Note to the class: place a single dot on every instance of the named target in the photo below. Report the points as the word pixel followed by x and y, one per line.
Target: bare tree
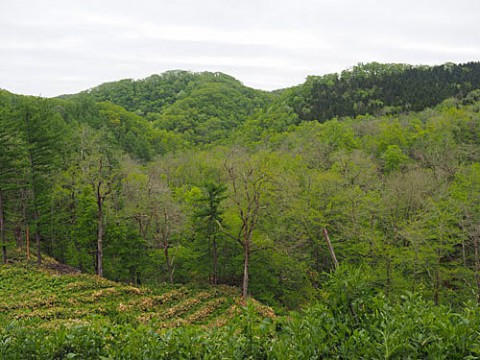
pixel 248 183
pixel 165 218
pixel 102 175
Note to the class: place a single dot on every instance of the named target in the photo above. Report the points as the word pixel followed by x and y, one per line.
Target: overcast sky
pixel 49 48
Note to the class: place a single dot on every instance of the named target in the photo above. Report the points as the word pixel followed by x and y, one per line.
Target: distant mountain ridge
pixel 372 88
pixel 204 106
pixel 156 92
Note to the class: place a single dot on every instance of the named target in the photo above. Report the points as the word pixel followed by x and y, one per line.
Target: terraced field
pixel 50 298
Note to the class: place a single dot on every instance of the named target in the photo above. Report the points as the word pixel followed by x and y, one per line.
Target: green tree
pixel 211 215
pixel 41 129
pixel 12 162
pixel 465 190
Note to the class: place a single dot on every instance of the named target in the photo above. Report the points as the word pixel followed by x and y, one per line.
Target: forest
pixel 349 204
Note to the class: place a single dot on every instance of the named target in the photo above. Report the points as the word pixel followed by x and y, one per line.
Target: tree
pixel 166 217
pixel 11 164
pixel 248 180
pixel 101 170
pixel 211 215
pixel 41 131
pixel 465 191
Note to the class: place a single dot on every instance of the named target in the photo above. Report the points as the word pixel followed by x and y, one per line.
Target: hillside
pixel 205 107
pixel 56 312
pixel 54 299
pixel 157 92
pixel 50 315
pixel 359 222
pixel 181 109
pixel 80 177
pixel 377 89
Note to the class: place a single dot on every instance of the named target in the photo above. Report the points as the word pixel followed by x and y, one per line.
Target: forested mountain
pixel 352 189
pixel 204 107
pixel 157 92
pixel 381 88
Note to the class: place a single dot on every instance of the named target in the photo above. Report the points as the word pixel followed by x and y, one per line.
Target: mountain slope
pixel 204 107
pixel 380 88
pixel 157 92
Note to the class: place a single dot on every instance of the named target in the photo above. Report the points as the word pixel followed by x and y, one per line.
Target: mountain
pixel 205 107
pixel 336 192
pixel 377 89
pixel 157 92
pixel 84 177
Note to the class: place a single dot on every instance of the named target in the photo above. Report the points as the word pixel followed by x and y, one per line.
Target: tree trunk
pixel 18 237
pixel 2 230
pixel 248 187
pixel 388 283
pixel 36 219
pixel 33 174
pixel 73 220
pixel 246 259
pixel 416 271
pixel 215 261
pixel 169 264
pixel 100 231
pixel 166 243
pixel 37 240
pixel 477 266
pixel 436 282
pixel 27 239
pixel 330 248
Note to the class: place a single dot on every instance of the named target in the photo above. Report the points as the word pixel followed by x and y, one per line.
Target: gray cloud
pixel 53 47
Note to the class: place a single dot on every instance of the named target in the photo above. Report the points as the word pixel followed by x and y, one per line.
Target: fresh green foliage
pixel 209 182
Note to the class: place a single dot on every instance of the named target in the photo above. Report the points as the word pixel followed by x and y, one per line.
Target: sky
pixel 54 47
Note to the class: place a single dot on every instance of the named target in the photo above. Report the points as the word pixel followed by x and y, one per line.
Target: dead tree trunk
pixel 330 248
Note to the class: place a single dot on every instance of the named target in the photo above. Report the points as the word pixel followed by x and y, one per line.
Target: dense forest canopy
pixel 382 88
pixel 358 192
pixel 194 178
